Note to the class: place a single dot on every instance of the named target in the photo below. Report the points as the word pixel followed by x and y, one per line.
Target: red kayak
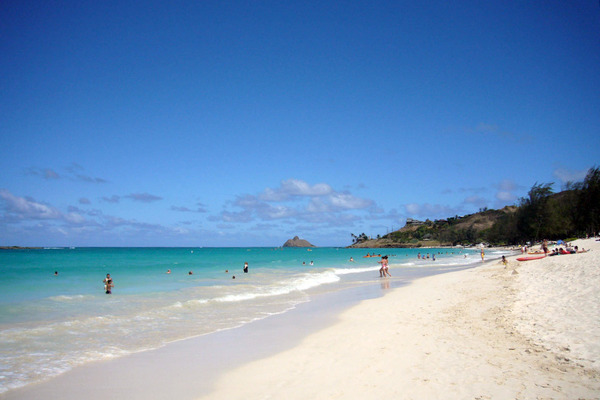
pixel 530 258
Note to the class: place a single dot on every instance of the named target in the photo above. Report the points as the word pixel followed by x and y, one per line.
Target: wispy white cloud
pixel 484 128
pixel 139 197
pixel 568 175
pixel 348 201
pixel 90 179
pixel 46 173
pixel 25 208
pixel 476 201
pixel 73 172
pixel 112 199
pixel 295 188
pixel 200 208
pixel 143 197
pixel 505 197
pixel 506 193
pixel 296 200
pixel 431 211
pixel 35 220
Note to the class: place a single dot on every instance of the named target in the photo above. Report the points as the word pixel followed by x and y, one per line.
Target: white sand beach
pixel 483 333
pixel 527 331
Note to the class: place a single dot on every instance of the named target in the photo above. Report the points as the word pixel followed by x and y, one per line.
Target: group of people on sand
pixel 568 249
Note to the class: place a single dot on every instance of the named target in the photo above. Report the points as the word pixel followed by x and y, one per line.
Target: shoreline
pixel 448 336
pixel 451 335
pixel 105 328
pixel 173 371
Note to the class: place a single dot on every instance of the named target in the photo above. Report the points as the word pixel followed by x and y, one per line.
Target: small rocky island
pixel 297 242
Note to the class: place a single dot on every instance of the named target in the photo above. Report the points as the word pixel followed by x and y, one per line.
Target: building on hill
pixel 413 222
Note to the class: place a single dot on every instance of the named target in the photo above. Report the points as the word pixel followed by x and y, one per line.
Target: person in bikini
pixel 384 267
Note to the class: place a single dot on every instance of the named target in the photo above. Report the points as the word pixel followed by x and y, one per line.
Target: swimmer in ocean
pixel 108 284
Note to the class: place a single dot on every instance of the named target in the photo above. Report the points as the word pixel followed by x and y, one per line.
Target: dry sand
pixel 528 331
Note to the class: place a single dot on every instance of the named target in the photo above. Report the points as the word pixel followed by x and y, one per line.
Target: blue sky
pixel 126 123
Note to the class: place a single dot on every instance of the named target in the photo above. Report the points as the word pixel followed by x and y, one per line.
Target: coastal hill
pixel 541 215
pixel 452 231
pixel 297 242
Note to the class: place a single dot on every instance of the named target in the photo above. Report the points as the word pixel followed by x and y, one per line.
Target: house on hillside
pixel 413 222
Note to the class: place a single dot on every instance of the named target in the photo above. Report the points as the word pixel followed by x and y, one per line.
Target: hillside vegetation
pixel 574 212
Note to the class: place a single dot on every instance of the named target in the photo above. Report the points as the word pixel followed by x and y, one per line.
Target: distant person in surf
pixel 108 284
pixel 245 267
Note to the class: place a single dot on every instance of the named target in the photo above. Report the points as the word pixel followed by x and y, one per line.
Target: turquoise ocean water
pixel 51 323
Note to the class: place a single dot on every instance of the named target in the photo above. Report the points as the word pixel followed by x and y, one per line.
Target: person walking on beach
pixel 108 284
pixel 482 254
pixel 384 267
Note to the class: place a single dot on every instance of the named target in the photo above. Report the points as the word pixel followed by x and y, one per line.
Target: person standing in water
pixel 245 267
pixel 384 267
pixel 108 284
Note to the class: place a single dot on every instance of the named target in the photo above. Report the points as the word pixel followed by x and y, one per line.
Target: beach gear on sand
pixel 530 258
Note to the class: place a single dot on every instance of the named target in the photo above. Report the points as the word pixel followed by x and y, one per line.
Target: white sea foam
pixel 346 271
pixel 295 284
pixel 188 304
pixel 70 298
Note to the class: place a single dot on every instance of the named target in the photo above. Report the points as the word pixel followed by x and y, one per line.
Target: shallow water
pixel 51 323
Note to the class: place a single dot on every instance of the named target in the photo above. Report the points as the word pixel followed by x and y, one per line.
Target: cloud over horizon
pixel 296 199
